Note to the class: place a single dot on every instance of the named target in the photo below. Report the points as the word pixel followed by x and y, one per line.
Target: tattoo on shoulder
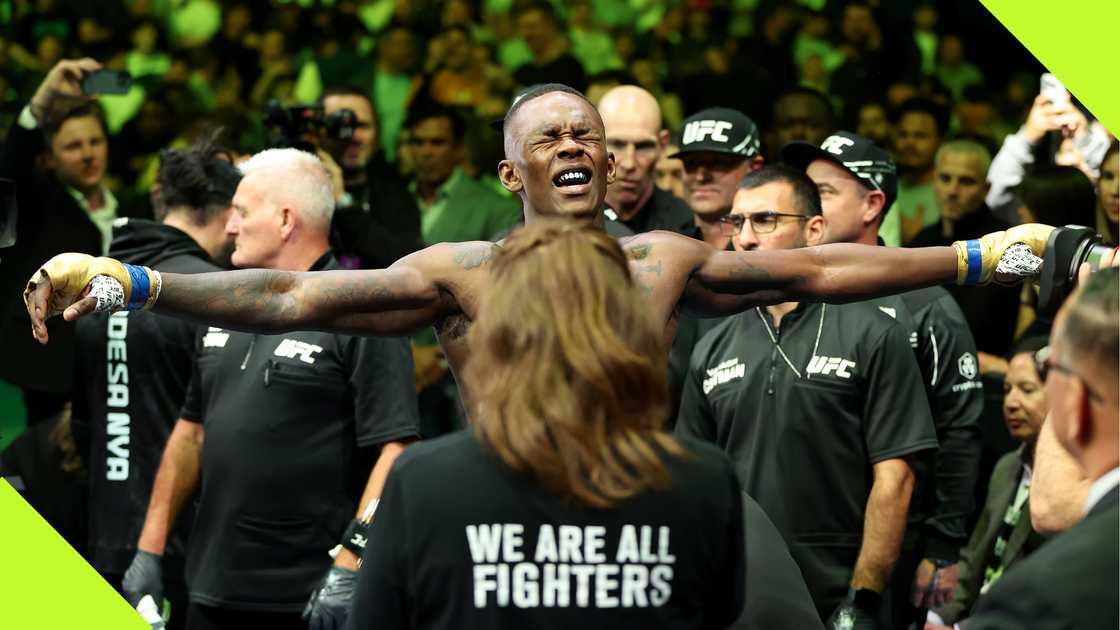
pixel 474 256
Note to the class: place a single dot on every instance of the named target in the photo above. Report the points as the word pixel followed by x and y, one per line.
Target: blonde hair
pixel 568 369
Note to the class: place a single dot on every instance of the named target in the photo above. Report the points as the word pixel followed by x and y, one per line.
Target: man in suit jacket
pixel 1003 533
pixel 1071 582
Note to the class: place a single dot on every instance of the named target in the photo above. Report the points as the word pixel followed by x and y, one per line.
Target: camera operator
pixel 376 220
pixel 129 402
pixel 68 193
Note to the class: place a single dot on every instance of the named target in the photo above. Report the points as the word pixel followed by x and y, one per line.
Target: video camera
pixel 1066 249
pixel 304 126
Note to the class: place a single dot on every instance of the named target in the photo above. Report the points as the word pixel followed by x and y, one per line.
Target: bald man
pixel 636 137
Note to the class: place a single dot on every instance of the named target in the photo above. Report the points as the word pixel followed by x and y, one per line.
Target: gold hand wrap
pixel 69 274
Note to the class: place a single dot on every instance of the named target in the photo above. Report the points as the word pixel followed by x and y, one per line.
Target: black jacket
pixel 1070 582
pixel 381 226
pixel 132 372
pixel 50 222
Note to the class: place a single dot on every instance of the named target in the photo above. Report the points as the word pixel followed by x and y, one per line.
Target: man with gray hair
pixel 960 183
pixel 1070 582
pixel 293 424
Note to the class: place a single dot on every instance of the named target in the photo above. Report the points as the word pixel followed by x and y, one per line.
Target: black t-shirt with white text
pixel 462 541
pixel 284 416
pixel 803 446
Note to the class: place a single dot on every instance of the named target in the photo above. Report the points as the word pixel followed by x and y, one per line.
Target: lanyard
pixel 778 347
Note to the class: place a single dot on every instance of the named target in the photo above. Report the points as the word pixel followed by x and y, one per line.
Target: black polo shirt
pixel 943 497
pixel 463 541
pixel 284 416
pixel 804 447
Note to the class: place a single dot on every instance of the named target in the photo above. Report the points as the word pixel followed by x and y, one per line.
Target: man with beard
pixel 557 162
pixel 800 114
pixel 919 127
pixel 135 367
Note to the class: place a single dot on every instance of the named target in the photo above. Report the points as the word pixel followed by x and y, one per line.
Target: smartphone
pixel 106 82
pixel 8 215
pixel 1053 90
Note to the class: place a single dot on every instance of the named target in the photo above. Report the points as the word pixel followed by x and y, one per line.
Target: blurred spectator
pixel 1003 534
pixel 599 84
pixel 960 188
pixel 1058 195
pixel 454 206
pixel 719 147
pixel 1061 133
pixel 148 56
pixel 394 85
pixel 376 221
pixel 799 114
pixel 976 116
pixel 1108 195
pixel 592 45
pixel 637 139
pixel 861 42
pixel 814 53
pixel 953 70
pixel 874 123
pixel 458 81
pixel 919 128
pixel 646 74
pixel 552 62
pixel 192 23
pixel 670 171
pixel 926 37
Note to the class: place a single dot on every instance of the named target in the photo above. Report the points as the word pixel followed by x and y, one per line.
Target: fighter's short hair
pixel 535 91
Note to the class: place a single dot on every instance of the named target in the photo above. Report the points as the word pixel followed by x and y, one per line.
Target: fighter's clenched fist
pixel 64 283
pixel 992 257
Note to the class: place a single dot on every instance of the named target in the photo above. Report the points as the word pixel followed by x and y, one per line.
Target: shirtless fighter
pixel 557 163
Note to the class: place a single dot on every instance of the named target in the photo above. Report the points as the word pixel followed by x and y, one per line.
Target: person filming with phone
pixel 56 154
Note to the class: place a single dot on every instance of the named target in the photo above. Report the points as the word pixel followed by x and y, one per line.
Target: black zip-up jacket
pixel 131 376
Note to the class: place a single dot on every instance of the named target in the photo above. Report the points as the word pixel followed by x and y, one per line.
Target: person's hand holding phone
pixel 62 88
pixel 1043 117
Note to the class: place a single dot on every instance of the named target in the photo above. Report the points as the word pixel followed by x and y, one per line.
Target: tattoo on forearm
pixel 639 252
pixel 473 256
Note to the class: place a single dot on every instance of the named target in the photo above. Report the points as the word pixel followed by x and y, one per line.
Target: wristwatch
pixel 865 598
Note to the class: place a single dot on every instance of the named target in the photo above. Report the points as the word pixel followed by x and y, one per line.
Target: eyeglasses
pixel 1044 362
pixel 761 222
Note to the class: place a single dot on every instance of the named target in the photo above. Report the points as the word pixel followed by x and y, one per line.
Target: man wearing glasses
pixel 820 406
pixel 1071 581
pixel 857 182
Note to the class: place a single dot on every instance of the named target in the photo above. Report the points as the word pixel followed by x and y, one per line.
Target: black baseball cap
pixel 872 166
pixel 719 130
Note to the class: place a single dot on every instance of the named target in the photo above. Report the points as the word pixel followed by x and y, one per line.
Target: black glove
pixel 144 577
pixel 858 611
pixel 329 604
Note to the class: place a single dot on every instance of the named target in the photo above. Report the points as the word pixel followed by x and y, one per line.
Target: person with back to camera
pixel 567 505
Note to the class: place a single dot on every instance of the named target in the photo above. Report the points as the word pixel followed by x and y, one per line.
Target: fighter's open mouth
pixel 572 177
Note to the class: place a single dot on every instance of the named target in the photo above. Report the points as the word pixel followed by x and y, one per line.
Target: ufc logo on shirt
pixel 291 348
pixel 829 365
pixel 696 130
pixel 835 144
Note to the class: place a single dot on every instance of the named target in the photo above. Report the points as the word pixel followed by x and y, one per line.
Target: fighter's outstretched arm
pixel 728 282
pixel 395 301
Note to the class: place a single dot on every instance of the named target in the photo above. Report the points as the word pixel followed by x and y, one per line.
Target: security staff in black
pixel 286 418
pixel 820 407
pixel 278 434
pixel 133 367
pixel 858 183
